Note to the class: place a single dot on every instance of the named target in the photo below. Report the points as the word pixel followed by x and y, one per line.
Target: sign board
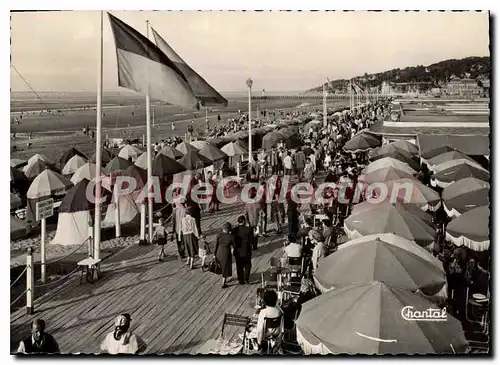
pixel 44 209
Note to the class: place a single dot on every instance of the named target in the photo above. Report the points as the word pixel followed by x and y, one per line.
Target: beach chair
pixel 296 266
pixel 479 310
pixel 269 280
pixel 236 321
pixel 291 288
pixel 289 343
pixel 274 340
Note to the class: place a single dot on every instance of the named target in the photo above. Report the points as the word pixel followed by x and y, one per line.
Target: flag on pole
pixel 143 67
pixel 203 91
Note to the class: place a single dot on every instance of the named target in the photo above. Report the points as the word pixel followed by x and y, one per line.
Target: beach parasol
pixel 362 142
pixel 395 240
pixel 242 144
pixel 271 139
pixel 15 201
pixel 129 152
pixel 377 260
pixel 209 151
pixel 388 162
pixel 393 152
pixel 78 199
pixel 390 218
pixel 435 151
pixel 106 156
pixel 87 171
pixel 313 124
pixel 117 164
pixel 447 164
pixel 142 161
pixel 48 183
pixel 37 157
pixel 447 177
pixel 464 195
pixel 373 318
pixel 410 208
pixel 36 168
pixel 164 166
pixel 192 160
pixel 73 164
pixel 447 156
pixel 471 229
pixel 139 174
pixel 69 154
pixel 233 149
pixel 16 162
pixel 171 152
pixel 411 191
pixel 17 175
pixel 239 135
pixel 385 174
pixel 185 147
pixel 218 141
pixel 406 146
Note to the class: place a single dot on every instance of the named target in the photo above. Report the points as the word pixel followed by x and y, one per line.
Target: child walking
pixel 204 251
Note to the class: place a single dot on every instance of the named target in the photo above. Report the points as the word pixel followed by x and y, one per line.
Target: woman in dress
pixel 179 213
pixel 214 202
pixel 190 236
pixel 225 241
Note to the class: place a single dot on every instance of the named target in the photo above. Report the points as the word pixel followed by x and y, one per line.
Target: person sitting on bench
pixel 271 311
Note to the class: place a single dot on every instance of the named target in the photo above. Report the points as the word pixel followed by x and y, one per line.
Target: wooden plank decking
pixel 175 310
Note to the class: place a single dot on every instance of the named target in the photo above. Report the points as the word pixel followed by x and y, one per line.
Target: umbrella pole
pixel 117 213
pixel 142 237
pixel 42 250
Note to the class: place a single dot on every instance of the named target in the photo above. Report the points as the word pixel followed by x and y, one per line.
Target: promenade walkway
pixel 175 310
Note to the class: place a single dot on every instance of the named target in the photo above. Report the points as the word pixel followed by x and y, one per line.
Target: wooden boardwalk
pixel 175 310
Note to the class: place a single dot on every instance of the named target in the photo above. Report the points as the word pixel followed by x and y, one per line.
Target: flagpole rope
pixel 19 297
pixel 58 280
pixel 19 277
pixel 71 253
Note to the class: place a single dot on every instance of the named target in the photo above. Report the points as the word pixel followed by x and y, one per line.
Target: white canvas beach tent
pixel 129 212
pixel 72 228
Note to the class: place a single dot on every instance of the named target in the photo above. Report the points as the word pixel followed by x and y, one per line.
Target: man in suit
pixel 243 238
pixel 39 342
pixel 300 162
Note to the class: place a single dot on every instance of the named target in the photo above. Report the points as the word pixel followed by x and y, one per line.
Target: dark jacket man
pixel 243 239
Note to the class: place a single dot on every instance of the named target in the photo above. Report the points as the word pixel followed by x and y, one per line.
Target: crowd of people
pixel 320 155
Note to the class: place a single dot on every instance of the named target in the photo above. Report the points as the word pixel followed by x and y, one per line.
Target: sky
pixel 58 51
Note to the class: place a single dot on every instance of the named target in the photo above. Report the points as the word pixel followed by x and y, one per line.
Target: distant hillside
pixel 435 74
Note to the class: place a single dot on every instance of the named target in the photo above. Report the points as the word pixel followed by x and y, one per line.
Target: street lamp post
pixel 249 84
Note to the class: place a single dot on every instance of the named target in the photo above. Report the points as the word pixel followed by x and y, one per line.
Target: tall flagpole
pixel 150 155
pixel 98 162
pixel 249 83
pixel 350 94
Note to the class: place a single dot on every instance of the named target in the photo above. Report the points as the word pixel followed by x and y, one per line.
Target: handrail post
pixel 30 280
